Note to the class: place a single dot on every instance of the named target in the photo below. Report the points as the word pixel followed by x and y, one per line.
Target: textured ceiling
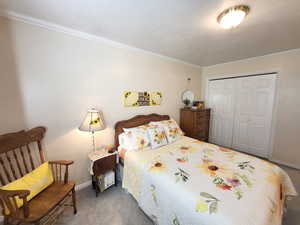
pixel 183 29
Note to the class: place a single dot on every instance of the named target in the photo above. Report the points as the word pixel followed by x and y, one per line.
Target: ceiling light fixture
pixel 233 16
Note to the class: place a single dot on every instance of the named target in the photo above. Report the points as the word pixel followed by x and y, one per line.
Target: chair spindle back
pixel 20 153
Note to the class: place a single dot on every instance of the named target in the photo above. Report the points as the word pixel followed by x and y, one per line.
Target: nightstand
pixel 102 163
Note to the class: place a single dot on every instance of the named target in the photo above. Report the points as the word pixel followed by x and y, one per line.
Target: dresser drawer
pixel 195 123
pixel 200 137
pixel 203 139
pixel 201 114
pixel 200 130
pixel 204 121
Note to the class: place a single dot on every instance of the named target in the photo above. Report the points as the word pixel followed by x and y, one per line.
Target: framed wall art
pixel 142 98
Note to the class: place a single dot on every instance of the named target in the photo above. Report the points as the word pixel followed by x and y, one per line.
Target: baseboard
pixel 83 185
pixel 285 164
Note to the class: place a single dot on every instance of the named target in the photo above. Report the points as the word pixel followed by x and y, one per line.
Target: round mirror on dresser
pixel 187 98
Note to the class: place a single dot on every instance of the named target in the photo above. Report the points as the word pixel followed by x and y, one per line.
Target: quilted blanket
pixel 190 182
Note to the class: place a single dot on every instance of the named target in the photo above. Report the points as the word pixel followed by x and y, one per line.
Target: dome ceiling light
pixel 233 16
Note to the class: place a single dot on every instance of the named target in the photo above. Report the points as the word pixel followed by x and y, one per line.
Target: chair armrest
pixel 8 201
pixel 62 162
pixel 12 193
pixel 57 171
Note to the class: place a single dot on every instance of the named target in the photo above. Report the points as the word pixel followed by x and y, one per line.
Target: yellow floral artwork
pixel 201 206
pixel 213 169
pixel 141 142
pixel 138 98
pixel 187 149
pixel 155 98
pixel 157 166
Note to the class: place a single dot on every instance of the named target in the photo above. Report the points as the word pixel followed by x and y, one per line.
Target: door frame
pixel 275 103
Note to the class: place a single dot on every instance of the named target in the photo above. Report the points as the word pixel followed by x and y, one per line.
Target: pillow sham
pixel 136 138
pixel 171 128
pixel 124 141
pixel 127 142
pixel 35 181
pixel 157 136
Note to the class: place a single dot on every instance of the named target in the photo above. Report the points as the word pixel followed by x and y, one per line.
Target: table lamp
pixel 93 122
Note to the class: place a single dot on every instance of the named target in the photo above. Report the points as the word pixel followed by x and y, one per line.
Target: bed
pixel 189 182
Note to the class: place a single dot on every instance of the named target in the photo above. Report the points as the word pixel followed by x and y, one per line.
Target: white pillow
pixel 157 136
pixel 136 138
pixel 171 128
pixel 124 141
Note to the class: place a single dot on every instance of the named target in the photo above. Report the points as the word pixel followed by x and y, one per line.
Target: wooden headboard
pixel 136 121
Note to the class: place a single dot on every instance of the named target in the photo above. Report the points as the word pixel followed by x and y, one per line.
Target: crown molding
pixel 76 33
pixel 255 57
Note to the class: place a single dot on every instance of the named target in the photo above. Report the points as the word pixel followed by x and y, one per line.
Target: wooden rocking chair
pixel 17 151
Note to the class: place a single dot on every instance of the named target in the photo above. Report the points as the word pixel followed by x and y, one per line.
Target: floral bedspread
pixel 189 182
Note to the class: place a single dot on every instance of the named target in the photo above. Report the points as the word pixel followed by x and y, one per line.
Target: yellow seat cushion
pixel 35 181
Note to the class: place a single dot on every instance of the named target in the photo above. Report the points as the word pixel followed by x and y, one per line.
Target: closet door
pixel 253 114
pixel 221 101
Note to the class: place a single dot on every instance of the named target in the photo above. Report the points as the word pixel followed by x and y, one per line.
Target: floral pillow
pixel 136 138
pixel 157 136
pixel 171 128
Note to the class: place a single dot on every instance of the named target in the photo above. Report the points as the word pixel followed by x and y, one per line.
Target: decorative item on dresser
pixel 187 97
pixel 103 169
pixel 195 123
pixel 34 191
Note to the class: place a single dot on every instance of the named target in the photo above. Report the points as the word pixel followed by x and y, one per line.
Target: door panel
pixel 221 101
pixel 241 112
pixel 253 114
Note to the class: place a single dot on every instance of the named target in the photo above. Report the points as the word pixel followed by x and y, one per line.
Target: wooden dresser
pixel 195 123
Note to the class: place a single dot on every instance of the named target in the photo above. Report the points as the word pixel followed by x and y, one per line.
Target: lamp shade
pixel 93 121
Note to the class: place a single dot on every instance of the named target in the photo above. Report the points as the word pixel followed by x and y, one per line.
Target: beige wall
pixel 11 107
pixel 287 119
pixel 50 78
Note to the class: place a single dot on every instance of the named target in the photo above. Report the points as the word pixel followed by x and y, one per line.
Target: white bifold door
pixel 241 112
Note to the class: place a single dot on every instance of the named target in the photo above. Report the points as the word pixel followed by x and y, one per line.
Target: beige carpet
pixel 112 207
pixel 116 207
